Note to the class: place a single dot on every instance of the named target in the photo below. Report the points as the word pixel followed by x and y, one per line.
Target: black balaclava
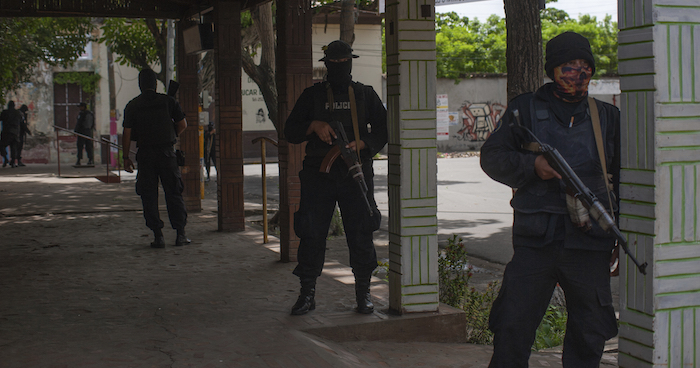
pixel 147 80
pixel 11 105
pixel 339 74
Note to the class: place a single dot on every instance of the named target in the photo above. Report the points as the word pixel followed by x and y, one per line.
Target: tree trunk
pixel 524 46
pixel 347 21
pixel 160 34
pixel 264 74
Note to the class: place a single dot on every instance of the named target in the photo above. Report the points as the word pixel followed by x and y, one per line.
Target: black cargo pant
pixel 528 283
pixel 20 145
pixel 319 194
pixel 154 165
pixel 12 141
pixel 89 148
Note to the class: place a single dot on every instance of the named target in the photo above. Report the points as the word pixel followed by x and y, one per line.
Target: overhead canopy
pixel 162 9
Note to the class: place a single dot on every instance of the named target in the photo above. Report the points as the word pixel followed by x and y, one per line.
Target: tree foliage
pixel 138 43
pixel 28 41
pixel 601 34
pixel 466 46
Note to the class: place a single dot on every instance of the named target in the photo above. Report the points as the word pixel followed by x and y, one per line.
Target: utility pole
pixel 113 134
pixel 170 53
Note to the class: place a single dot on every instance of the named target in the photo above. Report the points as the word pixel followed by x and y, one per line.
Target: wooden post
pixel 188 97
pixel 264 181
pixel 294 73
pixel 229 113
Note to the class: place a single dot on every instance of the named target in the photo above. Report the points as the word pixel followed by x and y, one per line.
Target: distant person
pixel 554 240
pixel 319 105
pixel 210 148
pixel 149 118
pixel 85 126
pixel 11 119
pixel 23 131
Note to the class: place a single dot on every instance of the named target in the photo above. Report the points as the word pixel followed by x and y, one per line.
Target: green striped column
pixel 659 45
pixel 412 179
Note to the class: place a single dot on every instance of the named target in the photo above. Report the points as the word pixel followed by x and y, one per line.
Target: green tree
pixel 467 47
pixel 28 41
pixel 138 43
pixel 602 36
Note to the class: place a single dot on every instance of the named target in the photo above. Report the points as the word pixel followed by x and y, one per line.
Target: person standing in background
pixel 85 126
pixel 154 121
pixel 209 148
pixel 11 121
pixel 23 131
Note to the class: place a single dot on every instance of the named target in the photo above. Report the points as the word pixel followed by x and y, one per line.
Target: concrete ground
pixel 81 288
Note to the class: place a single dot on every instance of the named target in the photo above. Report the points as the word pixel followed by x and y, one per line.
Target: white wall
pixel 487 98
pixel 366 69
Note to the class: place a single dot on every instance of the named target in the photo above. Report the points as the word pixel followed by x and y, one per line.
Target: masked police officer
pixel 320 191
pixel 11 120
pixel 85 125
pixel 154 121
pixel 552 242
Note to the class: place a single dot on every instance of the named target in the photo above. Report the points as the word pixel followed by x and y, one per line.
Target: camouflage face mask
pixel 571 80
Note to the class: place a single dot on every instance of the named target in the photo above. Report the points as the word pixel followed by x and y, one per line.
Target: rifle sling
pixel 355 127
pixel 595 120
pixel 353 112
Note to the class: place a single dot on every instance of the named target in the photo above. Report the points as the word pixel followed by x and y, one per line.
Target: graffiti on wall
pixel 478 120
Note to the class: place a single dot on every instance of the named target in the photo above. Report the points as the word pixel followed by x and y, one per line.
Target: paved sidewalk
pixel 81 288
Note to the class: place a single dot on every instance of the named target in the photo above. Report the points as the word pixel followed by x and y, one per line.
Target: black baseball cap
pixel 337 50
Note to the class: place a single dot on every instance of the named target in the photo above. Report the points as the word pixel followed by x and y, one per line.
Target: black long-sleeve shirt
pixel 312 105
pixel 539 202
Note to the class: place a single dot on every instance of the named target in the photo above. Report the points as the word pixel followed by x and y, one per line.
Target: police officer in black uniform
pixel 320 191
pixel 23 131
pixel 85 125
pixel 549 248
pixel 154 121
pixel 11 124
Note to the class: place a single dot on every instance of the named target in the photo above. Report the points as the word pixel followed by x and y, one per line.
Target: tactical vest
pixel 341 112
pixel 578 147
pixel 154 127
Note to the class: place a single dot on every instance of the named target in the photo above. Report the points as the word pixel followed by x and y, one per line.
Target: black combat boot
pixel 364 299
pixel 305 302
pixel 159 241
pixel 182 238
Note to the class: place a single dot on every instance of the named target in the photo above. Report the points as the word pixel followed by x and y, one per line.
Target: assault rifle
pixel 349 155
pixel 581 192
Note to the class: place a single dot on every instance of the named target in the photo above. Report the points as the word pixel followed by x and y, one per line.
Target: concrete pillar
pixel 229 115
pixel 412 179
pixel 659 42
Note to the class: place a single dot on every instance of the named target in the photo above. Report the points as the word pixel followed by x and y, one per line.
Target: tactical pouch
pixel 180 157
pixel 375 220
